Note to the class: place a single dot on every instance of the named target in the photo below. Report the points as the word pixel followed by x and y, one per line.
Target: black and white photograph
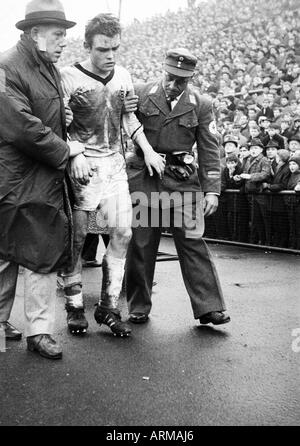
pixel 150 216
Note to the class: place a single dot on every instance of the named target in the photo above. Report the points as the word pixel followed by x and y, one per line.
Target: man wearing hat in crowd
pixel 276 208
pixel 257 170
pixel 35 224
pixel 294 143
pixel 292 201
pixel 175 118
pixel 271 151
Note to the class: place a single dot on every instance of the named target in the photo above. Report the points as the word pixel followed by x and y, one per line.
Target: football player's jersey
pixel 97 104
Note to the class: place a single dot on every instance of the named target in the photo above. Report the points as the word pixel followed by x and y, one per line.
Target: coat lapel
pixel 159 99
pixel 183 106
pixel 45 72
pixel 61 96
pixel 55 80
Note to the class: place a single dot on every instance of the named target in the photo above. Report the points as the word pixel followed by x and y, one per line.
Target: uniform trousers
pixel 39 298
pixel 197 267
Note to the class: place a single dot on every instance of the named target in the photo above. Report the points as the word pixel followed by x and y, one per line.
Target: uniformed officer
pixel 176 119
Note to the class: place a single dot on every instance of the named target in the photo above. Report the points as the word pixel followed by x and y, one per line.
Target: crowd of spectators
pixel 249 64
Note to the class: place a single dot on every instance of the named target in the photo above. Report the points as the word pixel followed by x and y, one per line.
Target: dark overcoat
pixel 35 222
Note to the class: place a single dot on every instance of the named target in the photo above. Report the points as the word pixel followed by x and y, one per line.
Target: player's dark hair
pixel 106 24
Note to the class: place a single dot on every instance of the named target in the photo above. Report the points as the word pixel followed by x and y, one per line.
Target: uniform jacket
pixel 191 123
pixel 260 170
pixel 34 228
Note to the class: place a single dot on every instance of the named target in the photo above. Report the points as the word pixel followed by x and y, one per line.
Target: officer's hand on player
pixel 80 169
pixel 154 161
pixel 211 203
pixel 130 104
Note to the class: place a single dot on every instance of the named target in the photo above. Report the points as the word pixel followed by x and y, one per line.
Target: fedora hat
pixel 40 12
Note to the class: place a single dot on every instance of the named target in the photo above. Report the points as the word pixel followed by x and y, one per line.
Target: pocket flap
pixel 149 109
pixel 189 120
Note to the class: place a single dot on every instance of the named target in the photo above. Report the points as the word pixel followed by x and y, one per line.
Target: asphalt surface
pixel 172 371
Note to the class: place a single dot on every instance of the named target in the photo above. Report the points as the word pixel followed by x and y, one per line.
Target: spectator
pixel 277 210
pixel 271 151
pixel 293 202
pixel 294 143
pixel 295 128
pixel 257 171
pixel 274 134
pixel 266 110
pixel 231 146
pixel 229 202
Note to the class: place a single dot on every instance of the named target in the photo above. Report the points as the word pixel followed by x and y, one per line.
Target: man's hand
pixel 80 169
pixel 69 115
pixel 231 171
pixel 245 176
pixel 297 187
pixel 155 161
pixel 130 104
pixel 211 203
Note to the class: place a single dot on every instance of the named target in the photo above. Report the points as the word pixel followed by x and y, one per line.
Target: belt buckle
pixel 185 158
pixel 188 158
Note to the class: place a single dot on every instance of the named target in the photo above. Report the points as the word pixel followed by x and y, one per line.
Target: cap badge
pixel 180 60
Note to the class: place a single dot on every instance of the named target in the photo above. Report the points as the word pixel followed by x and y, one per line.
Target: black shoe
pixel 138 318
pixel 11 333
pixel 113 320
pixel 45 346
pixel 76 320
pixel 214 317
pixel 91 263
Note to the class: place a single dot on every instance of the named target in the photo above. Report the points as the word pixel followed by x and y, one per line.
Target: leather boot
pixel 45 346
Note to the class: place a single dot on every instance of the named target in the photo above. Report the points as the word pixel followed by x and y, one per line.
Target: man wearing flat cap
pixel 35 224
pixel 176 118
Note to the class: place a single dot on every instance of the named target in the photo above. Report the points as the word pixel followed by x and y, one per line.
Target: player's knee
pixel 123 235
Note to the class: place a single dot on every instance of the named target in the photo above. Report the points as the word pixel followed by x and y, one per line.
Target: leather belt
pixel 180 159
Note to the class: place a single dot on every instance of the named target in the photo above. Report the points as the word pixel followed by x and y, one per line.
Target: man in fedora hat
pixel 35 224
pixel 175 118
